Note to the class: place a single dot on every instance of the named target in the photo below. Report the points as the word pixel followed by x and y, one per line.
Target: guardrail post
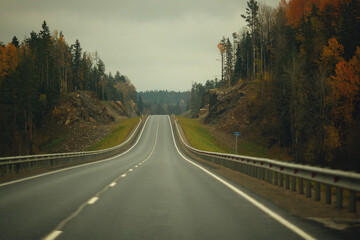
pixel 317 191
pixel 270 176
pixel 276 174
pixel 327 194
pixel 281 179
pixel 293 183
pixel 352 201
pixel 301 186
pixel 308 188
pixel 287 181
pixel 339 198
pixel 263 174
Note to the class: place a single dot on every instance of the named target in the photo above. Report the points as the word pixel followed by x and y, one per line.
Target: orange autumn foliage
pixel 334 49
pixel 324 3
pixel 8 60
pixel 345 87
pixel 331 55
pixel 297 9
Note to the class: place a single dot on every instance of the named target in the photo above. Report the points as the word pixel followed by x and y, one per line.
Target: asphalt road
pixel 151 192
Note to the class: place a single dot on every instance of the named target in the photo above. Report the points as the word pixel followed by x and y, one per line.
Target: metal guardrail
pixel 25 164
pixel 289 175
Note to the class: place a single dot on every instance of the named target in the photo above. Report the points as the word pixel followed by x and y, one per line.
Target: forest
pixel 163 102
pixel 304 56
pixel 37 72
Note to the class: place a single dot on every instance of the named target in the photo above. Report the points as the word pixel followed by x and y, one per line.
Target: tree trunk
pixel 30 125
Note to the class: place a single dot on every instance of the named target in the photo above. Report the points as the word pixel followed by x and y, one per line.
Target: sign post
pixel 236 140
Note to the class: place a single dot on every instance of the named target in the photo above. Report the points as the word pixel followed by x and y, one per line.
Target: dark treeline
pixel 163 102
pixel 197 94
pixel 304 55
pixel 34 74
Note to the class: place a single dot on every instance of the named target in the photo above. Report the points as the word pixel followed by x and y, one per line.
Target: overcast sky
pixel 158 44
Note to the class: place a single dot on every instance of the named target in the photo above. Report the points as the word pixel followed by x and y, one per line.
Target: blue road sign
pixel 236 133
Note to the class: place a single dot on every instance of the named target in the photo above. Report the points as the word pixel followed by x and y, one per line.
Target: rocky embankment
pixel 77 122
pixel 229 109
pixel 81 107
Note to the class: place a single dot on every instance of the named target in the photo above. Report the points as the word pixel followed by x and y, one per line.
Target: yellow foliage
pixel 267 77
pixel 42 98
pixel 9 60
pixel 333 50
pixel 332 138
pixel 55 111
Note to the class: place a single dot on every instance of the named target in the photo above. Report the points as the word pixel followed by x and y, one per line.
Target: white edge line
pixel 77 166
pixel 112 184
pixel 92 200
pixel 53 235
pixel 259 205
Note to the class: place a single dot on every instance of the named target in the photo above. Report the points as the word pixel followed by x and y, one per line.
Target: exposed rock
pixel 229 110
pixel 81 106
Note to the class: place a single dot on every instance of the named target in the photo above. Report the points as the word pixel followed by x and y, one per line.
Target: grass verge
pixel 118 134
pixel 199 137
pixel 250 149
pixel 54 143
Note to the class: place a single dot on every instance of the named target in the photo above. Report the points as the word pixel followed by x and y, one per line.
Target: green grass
pixel 250 149
pixel 200 138
pixel 54 143
pixel 118 134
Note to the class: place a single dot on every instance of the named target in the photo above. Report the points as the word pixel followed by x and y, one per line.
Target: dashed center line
pixel 54 234
pixel 92 200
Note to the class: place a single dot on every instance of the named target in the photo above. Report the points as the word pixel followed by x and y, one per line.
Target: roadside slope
pixel 79 121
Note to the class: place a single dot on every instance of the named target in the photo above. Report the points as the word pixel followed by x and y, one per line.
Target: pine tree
pixel 251 18
pixel 76 65
pixel 15 42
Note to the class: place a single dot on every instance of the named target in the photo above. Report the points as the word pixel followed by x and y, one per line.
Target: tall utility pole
pixel 222 49
pixel 222 66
